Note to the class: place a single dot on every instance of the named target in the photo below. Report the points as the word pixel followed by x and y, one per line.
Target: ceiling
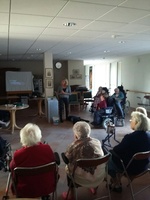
pixel 105 29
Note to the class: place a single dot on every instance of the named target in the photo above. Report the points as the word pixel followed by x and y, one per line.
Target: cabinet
pixel 52 108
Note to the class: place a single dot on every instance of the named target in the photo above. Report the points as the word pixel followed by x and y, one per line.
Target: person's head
pixel 102 98
pixel 30 135
pixel 81 130
pixel 142 110
pixel 138 121
pixel 64 82
pixel 100 89
pixel 116 90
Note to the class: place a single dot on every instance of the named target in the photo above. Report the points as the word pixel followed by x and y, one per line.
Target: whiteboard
pixel 19 81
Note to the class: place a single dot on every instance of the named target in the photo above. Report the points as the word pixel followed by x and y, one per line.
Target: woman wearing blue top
pixel 118 97
pixel 64 91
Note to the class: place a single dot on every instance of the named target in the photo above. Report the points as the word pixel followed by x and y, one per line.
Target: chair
pixel 94 162
pixel 87 97
pixel 143 101
pixel 73 100
pixel 138 156
pixel 31 171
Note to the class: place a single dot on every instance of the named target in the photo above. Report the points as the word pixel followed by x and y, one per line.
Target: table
pixel 12 109
pixel 39 101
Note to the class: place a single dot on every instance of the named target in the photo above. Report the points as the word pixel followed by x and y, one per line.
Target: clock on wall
pixel 58 65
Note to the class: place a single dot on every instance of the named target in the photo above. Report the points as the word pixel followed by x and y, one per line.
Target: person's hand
pixel 62 92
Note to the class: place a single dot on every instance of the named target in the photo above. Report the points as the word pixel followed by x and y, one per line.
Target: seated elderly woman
pixel 84 146
pixel 100 110
pixel 33 153
pixel 137 141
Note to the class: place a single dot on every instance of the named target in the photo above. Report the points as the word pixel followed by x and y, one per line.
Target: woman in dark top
pixel 99 111
pixel 64 91
pixel 137 141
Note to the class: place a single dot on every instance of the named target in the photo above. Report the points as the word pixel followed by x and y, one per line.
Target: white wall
pixel 35 66
pixel 135 75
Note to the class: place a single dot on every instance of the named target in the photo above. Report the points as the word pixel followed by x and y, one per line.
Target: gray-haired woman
pixel 84 146
pixel 137 141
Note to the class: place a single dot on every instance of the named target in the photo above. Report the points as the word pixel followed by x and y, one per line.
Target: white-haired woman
pixel 33 153
pixel 137 141
pixel 84 146
pixel 63 91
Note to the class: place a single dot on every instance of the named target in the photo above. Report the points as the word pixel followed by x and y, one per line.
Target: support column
pixel 48 78
pixel 48 74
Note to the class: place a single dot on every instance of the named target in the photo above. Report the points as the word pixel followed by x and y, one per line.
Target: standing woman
pixel 64 91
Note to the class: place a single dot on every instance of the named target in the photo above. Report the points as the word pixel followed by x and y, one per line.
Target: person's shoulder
pixel 121 93
pixel 131 135
pixel 20 152
pixel 95 140
pixel 44 145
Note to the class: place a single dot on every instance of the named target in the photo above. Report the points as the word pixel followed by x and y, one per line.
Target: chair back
pixel 88 96
pixel 139 156
pixel 28 171
pixel 91 162
pixel 31 172
pixel 73 97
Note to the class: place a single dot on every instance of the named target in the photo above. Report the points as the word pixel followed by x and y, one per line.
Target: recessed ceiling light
pixel 106 51
pixel 121 42
pixel 38 49
pixel 69 24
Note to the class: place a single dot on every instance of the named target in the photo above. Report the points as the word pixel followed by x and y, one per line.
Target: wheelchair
pixel 111 115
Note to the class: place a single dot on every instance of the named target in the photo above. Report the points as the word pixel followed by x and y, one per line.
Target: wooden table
pixel 12 109
pixel 39 101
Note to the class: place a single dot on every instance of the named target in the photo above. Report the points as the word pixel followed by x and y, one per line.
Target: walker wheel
pixel 106 122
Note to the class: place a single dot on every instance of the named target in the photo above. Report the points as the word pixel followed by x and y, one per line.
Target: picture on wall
pixel 49 83
pixel 72 76
pixel 49 73
pixel 75 71
pixel 79 76
pixel 76 74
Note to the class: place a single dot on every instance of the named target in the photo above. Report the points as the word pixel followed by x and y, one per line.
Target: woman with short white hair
pixel 33 153
pixel 137 141
pixel 30 135
pixel 84 146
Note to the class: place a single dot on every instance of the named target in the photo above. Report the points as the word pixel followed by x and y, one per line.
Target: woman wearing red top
pixel 100 110
pixel 33 153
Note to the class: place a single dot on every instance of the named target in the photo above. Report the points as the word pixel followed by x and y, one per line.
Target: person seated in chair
pixel 137 141
pixel 4 118
pixel 117 97
pixel 84 146
pixel 96 100
pixel 144 111
pixel 33 153
pixel 99 111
